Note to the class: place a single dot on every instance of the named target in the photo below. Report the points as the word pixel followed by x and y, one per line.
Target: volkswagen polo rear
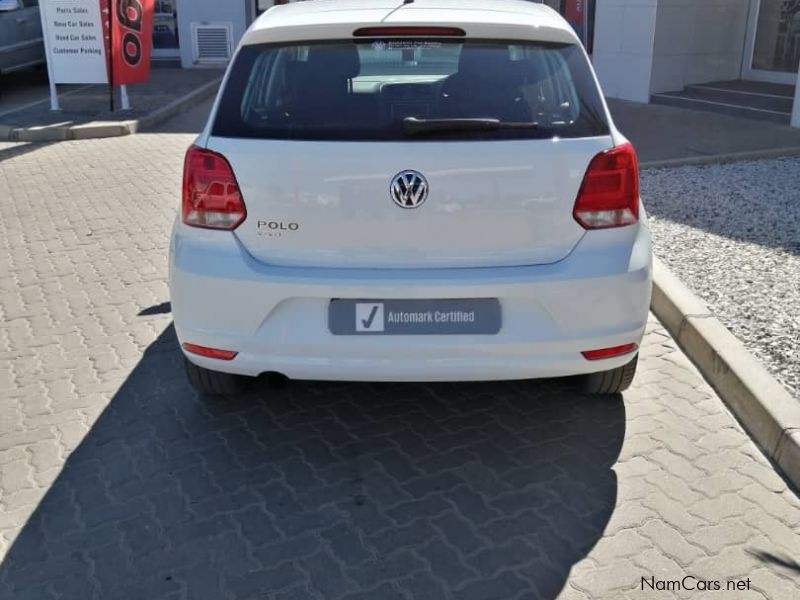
pixel 410 192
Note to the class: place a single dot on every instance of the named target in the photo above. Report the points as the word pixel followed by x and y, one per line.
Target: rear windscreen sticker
pixel 381 46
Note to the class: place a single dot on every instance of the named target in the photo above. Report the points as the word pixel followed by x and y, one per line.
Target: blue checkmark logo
pixel 368 322
pixel 369 317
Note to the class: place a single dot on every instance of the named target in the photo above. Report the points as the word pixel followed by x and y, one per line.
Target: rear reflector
pixel 609 194
pixel 609 352
pixel 409 32
pixel 211 196
pixel 210 352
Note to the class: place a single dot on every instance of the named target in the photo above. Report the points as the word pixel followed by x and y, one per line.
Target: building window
pixel 165 26
pixel 777 46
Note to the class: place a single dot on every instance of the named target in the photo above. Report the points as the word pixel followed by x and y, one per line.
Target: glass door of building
pixel 772 49
pixel 165 30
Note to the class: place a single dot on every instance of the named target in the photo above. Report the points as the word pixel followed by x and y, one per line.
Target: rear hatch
pixel 410 152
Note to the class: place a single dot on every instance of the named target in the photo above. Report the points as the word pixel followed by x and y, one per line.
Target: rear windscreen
pixel 362 90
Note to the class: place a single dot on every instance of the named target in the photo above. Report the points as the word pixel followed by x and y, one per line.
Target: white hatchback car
pixel 422 191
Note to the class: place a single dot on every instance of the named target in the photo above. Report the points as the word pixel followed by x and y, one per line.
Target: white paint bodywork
pixel 502 203
pixel 335 19
pixel 497 224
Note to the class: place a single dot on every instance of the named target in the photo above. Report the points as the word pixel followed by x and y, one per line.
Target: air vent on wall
pixel 212 42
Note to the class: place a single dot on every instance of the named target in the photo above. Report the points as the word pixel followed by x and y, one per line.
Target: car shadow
pixel 490 490
pixel 20 148
pixel 159 309
pixel 779 559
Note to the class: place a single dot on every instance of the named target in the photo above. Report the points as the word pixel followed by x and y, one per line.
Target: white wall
pixel 623 47
pixel 697 41
pixel 649 46
pixel 796 108
pixel 212 11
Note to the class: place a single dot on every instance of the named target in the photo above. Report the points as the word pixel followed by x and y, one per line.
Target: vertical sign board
pixel 132 37
pixel 73 34
pixel 76 40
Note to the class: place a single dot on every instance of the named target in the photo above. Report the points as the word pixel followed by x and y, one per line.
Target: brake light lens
pixel 609 352
pixel 210 352
pixel 609 194
pixel 211 196
pixel 409 32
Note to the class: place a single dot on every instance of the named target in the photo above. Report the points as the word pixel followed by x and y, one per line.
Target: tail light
pixel 210 352
pixel 609 352
pixel 211 196
pixel 609 194
pixel 409 32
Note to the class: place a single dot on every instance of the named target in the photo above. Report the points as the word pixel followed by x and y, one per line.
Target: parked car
pixel 419 193
pixel 21 43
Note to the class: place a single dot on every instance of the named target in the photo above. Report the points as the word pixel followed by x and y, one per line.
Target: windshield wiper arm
pixel 414 126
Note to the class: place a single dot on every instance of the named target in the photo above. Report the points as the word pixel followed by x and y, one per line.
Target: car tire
pixel 213 383
pixel 610 382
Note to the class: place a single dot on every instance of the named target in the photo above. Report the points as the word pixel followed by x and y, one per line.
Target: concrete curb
pixel 721 158
pixel 104 129
pixel 763 406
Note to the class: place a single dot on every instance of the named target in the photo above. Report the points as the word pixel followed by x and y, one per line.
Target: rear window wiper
pixel 414 126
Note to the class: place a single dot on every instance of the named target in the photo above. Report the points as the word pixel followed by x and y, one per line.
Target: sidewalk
pixel 85 111
pixel 667 133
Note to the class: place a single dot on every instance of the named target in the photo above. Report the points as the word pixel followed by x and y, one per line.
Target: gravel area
pixel 732 233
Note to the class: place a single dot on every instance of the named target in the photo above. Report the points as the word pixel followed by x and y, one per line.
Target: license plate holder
pixel 462 316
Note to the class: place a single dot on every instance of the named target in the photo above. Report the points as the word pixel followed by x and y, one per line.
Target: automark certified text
pixel 431 316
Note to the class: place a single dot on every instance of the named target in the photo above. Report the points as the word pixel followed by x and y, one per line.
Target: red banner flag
pixel 575 14
pixel 131 39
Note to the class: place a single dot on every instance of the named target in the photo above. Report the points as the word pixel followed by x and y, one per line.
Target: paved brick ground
pixel 117 482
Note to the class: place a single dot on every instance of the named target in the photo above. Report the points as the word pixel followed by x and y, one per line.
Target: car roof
pixel 337 19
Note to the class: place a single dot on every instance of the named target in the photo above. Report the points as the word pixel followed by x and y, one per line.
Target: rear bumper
pixel 276 318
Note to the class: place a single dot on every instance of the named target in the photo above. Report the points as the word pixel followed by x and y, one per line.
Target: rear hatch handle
pixel 415 126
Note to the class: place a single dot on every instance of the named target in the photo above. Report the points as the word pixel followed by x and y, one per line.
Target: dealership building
pixel 200 33
pixel 204 33
pixel 736 56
